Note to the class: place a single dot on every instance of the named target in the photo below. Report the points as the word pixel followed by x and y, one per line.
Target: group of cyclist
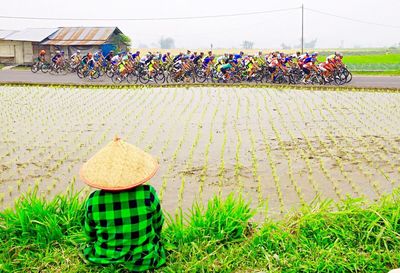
pixel 276 61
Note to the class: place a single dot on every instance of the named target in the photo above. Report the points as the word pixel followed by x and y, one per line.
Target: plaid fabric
pixel 124 227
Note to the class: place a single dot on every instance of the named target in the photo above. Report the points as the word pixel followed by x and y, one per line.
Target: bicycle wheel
pixel 201 76
pixel 35 67
pixel 159 77
pixel 110 72
pixel 339 78
pixel 144 77
pixel 79 72
pixel 94 74
pixel 116 78
pixel 45 68
pixel 132 77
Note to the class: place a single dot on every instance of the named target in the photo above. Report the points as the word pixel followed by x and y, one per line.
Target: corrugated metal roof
pixel 4 33
pixel 31 34
pixel 80 36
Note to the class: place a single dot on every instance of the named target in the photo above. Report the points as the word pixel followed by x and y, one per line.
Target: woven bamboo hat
pixel 118 166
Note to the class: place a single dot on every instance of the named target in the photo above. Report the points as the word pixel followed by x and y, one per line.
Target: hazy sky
pixel 265 30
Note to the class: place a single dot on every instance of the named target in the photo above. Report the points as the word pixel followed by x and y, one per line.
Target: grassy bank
pixel 372 65
pixel 45 236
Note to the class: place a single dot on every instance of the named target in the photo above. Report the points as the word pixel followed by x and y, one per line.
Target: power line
pixel 351 19
pixel 151 19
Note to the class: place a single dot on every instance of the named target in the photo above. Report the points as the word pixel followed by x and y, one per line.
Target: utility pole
pixel 302 28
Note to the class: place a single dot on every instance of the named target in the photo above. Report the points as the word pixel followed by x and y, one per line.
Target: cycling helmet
pixel 78 51
pixel 58 52
pixel 42 52
pixel 315 54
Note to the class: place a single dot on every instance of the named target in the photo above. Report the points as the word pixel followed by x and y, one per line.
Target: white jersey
pixel 75 56
pixel 115 59
pixel 221 59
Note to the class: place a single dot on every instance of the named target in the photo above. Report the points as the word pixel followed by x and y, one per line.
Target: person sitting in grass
pixel 123 220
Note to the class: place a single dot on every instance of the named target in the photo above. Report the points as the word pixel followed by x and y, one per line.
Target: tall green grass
pixel 352 236
pixel 374 64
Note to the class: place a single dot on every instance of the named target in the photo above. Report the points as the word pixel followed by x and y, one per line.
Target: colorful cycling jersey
pixel 259 60
pixel 115 59
pixel 309 59
pixel 196 59
pixel 330 58
pixel 91 63
pixel 237 57
pixel 75 55
pixel 97 56
pixel 274 62
pixel 134 56
pixel 206 61
pixel 226 66
pixel 221 59
pixel 308 65
pixel 125 58
pixel 55 58
pixel 177 58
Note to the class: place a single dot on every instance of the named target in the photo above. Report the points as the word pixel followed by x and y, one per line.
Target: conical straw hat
pixel 118 166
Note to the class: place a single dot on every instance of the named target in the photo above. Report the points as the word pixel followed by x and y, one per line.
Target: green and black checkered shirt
pixel 124 227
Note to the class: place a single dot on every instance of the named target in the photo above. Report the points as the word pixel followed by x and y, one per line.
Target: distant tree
pixel 247 44
pixel 311 44
pixel 166 43
pixel 122 39
pixel 284 46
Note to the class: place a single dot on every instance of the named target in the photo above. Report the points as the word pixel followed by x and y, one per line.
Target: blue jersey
pixel 309 59
pixel 237 56
pixel 97 56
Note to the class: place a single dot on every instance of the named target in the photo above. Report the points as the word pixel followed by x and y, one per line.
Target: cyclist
pixel 124 65
pixel 259 59
pixel 301 58
pixel 76 57
pixel 56 59
pixel 136 56
pixel 198 58
pixel 166 58
pixel 109 56
pixel 42 56
pixel 222 59
pixel 276 65
pixel 236 57
pixel 308 65
pixel 225 68
pixel 194 55
pixel 98 56
pixel 208 61
pixel 177 57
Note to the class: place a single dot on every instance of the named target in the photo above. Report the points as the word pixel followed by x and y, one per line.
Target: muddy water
pixel 277 148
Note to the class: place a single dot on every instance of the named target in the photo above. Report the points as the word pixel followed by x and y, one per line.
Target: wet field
pixel 279 148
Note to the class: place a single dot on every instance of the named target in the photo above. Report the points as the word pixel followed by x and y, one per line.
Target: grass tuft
pixel 350 236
